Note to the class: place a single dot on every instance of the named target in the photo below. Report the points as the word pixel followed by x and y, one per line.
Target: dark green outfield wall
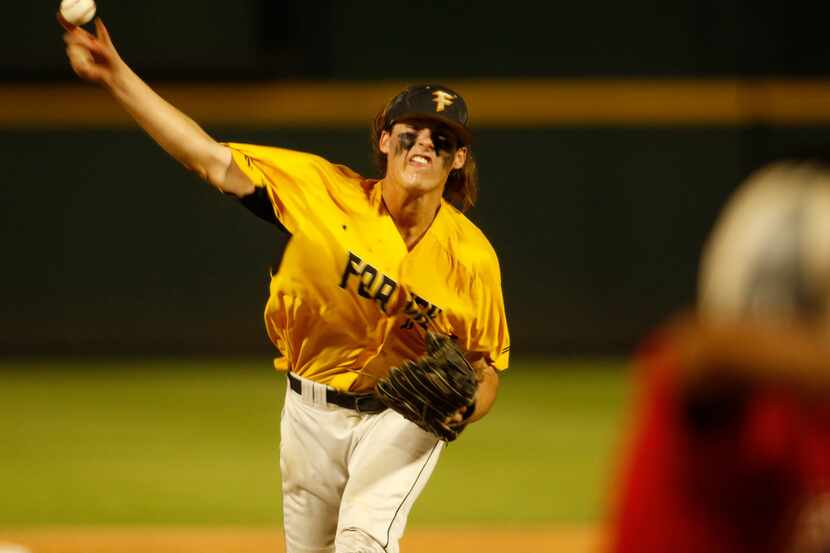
pixel 377 39
pixel 108 246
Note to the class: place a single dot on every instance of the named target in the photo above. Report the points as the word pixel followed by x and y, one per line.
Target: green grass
pixel 196 442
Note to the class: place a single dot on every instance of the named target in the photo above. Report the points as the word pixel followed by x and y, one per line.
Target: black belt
pixel 362 403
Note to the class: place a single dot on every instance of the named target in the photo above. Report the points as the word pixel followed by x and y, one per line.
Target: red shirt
pixel 730 471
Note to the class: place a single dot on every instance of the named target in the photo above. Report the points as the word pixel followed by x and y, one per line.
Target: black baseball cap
pixel 432 101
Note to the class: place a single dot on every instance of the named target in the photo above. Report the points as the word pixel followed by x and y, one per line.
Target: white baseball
pixel 78 12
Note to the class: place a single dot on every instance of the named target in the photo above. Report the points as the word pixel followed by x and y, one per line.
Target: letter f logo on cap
pixel 442 99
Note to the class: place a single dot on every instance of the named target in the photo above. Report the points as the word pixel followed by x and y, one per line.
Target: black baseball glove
pixel 431 390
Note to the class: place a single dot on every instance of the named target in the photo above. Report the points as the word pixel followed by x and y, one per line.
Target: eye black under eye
pixel 446 142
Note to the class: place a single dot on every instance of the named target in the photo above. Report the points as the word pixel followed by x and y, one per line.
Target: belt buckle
pixel 363 398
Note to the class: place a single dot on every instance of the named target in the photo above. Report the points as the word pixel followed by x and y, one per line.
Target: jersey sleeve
pixel 295 184
pixel 489 329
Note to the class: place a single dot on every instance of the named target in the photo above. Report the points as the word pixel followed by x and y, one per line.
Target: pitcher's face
pixel 420 154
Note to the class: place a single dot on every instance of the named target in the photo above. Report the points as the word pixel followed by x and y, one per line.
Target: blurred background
pixel 607 136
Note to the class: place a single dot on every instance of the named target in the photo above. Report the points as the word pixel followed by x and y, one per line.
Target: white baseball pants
pixel 349 479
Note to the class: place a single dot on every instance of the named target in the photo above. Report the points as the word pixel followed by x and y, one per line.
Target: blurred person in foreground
pixel 731 445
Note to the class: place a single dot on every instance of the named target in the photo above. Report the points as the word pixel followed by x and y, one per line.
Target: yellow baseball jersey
pixel 349 300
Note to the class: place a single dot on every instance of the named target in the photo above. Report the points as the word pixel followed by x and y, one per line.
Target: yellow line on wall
pixel 496 103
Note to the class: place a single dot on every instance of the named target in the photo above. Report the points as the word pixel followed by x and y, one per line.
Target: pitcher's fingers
pixel 63 22
pixel 81 37
pixel 76 36
pixel 102 32
pixel 71 37
pixel 74 40
pixel 85 33
pixel 79 57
